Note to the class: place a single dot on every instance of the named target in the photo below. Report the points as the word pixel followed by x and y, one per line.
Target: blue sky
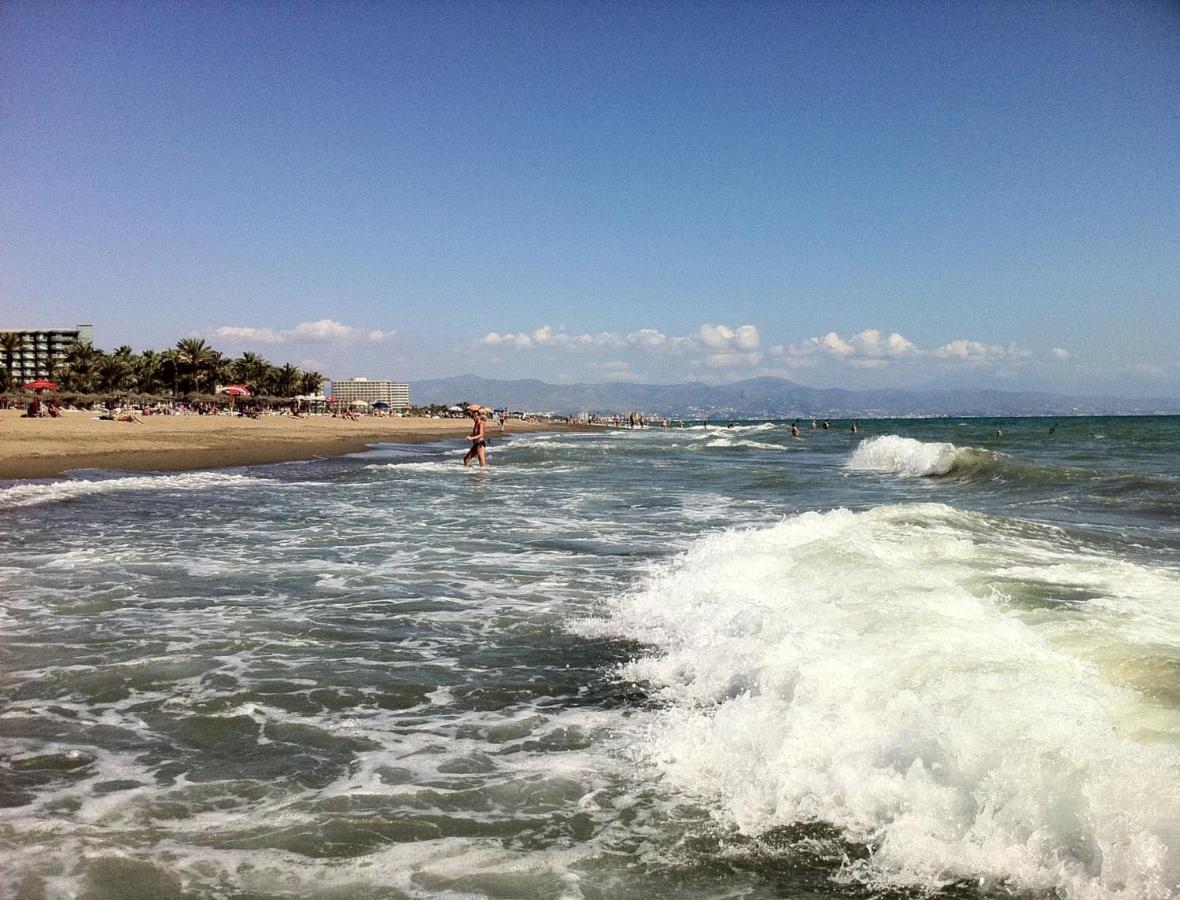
pixel 844 194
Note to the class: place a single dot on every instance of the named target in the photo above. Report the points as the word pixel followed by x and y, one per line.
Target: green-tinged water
pixel 921 660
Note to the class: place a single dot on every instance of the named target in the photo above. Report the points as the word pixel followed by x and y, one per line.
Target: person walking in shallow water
pixel 478 438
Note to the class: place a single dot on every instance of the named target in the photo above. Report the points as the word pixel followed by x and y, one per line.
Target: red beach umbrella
pixel 42 384
pixel 236 390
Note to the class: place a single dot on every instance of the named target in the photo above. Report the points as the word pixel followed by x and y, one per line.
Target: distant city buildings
pixel 394 393
pixel 39 350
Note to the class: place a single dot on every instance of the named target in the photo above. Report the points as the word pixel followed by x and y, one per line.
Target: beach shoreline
pixel 47 448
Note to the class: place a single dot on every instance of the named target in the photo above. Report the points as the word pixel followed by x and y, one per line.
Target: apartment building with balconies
pixel 39 350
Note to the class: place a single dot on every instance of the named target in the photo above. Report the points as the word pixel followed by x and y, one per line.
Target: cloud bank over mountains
pixel 729 350
pixel 715 353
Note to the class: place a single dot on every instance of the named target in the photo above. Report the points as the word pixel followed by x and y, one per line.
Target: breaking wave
pixel 912 677
pixel 906 456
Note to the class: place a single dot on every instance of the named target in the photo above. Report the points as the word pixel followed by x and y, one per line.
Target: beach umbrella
pixel 380 404
pixel 42 384
pixel 235 391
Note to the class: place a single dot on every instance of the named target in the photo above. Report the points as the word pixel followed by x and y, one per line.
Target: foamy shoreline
pixel 44 448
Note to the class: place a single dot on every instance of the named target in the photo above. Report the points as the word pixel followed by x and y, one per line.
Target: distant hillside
pixel 768 398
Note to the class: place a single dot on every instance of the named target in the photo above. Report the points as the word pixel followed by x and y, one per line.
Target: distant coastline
pixel 778 398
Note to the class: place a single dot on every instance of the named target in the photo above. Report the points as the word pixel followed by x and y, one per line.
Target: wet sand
pixel 43 448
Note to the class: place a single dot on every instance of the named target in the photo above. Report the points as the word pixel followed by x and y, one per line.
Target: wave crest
pixel 863 670
pixel 907 456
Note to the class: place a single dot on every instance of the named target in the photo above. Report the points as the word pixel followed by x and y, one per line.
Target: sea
pixel 934 658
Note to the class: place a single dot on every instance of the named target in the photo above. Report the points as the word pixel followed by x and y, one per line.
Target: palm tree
pixel 11 343
pixel 219 369
pixel 250 369
pixel 193 356
pixel 168 372
pixel 311 382
pixel 113 374
pixel 79 366
pixel 268 381
pixel 287 379
pixel 146 371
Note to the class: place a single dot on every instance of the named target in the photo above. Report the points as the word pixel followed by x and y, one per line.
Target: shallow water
pixel 916 661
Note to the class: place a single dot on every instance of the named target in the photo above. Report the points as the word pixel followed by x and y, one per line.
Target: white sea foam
pixel 862 670
pixel 741 429
pixel 73 489
pixel 905 456
pixel 754 445
pixel 417 467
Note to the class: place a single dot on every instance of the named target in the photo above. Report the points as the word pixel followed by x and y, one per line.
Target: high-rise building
pixel 39 350
pixel 396 394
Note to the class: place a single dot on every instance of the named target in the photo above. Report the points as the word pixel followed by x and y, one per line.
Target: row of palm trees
pixel 192 366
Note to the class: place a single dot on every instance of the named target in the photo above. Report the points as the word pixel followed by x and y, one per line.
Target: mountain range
pixel 767 398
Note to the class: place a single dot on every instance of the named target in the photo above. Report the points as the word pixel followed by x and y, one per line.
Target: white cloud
pixel 647 339
pixel 715 338
pixel 323 330
pixel 548 336
pixel 976 352
pixel 834 344
pixel 859 349
pixel 251 335
pixel 724 338
pixel 873 349
pixel 719 347
pixel 870 344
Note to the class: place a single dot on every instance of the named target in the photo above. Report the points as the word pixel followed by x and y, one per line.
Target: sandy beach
pixel 43 448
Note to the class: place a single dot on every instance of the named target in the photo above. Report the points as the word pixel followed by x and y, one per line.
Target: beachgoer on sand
pixel 478 438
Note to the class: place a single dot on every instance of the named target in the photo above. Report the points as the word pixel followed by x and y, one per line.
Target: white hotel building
pixel 396 394
pixel 41 349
